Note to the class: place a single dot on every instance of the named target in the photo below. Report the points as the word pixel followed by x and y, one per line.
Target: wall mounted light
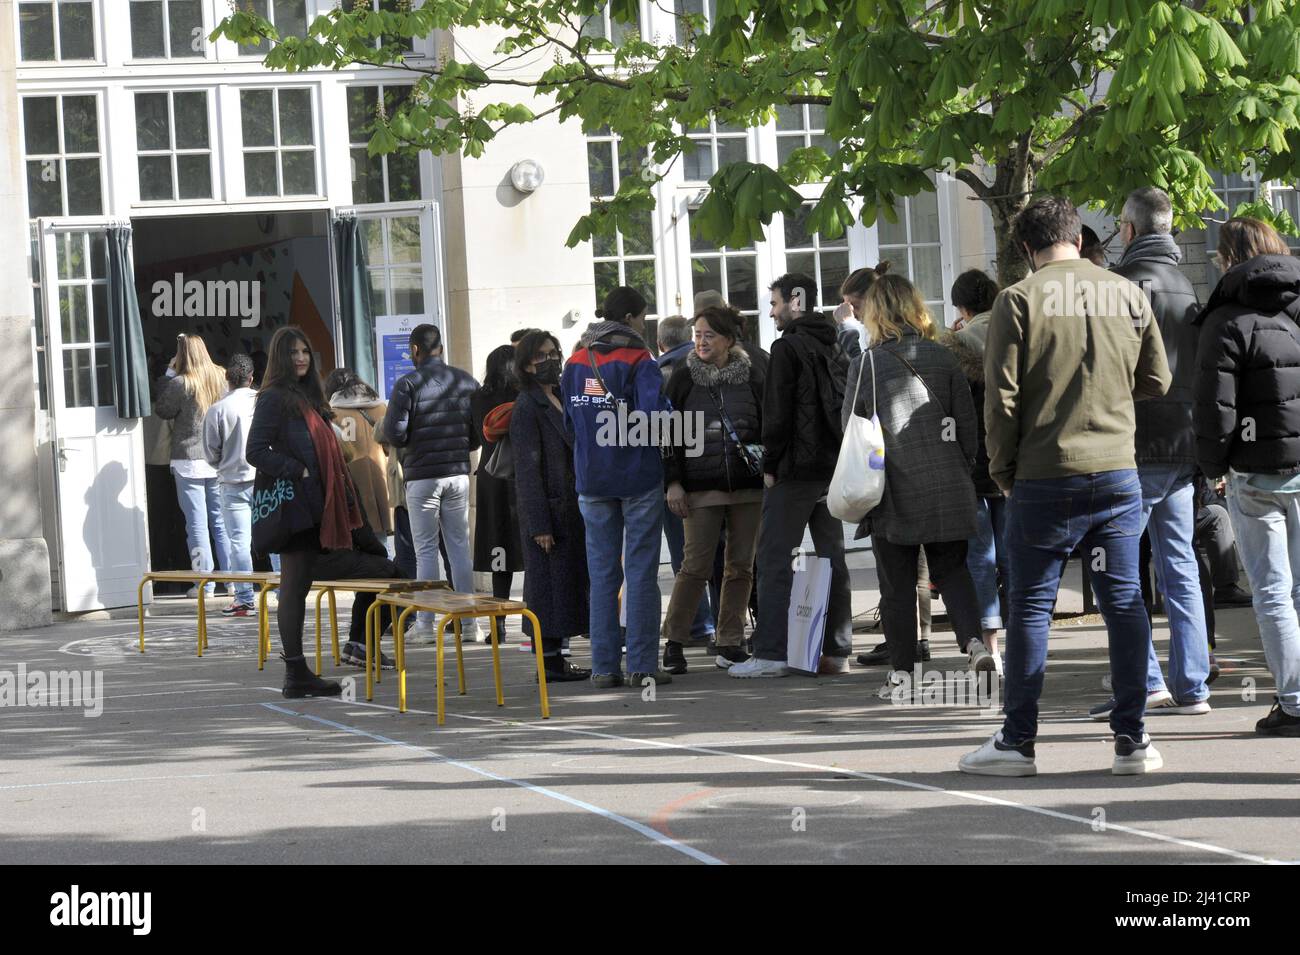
pixel 527 175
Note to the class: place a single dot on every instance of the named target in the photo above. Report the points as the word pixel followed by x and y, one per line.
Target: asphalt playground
pixel 202 761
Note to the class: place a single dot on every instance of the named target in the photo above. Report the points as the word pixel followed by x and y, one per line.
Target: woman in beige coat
pixel 357 408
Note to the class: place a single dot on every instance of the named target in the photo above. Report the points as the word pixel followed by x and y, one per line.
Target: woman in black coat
pixel 497 549
pixel 552 531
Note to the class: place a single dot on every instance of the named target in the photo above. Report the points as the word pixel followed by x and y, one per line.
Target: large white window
pixel 601 25
pixel 174 150
pixel 720 144
pixel 826 260
pixel 699 7
pixel 279 142
pixel 390 6
pixel 288 16
pixel 627 257
pixel 798 127
pixel 82 282
pixel 391 178
pixel 61 147
pixel 393 254
pixel 56 30
pixel 733 272
pixel 913 246
pixel 167 28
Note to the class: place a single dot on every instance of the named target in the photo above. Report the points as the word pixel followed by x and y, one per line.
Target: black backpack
pixel 829 367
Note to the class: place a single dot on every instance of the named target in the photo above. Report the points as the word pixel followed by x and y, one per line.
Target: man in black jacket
pixel 429 418
pixel 1166 456
pixel 801 442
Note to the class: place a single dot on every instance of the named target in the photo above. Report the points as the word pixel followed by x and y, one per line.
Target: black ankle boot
pixel 299 681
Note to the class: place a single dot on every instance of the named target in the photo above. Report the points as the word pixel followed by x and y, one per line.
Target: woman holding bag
pixel 303 499
pixel 924 407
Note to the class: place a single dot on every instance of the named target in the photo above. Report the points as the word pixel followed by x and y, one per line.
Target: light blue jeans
pixel 201 505
pixel 987 559
pixel 1168 517
pixel 1267 525
pixel 630 528
pixel 439 508
pixel 237 513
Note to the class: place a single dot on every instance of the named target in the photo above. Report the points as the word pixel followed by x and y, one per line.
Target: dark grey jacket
pixel 177 405
pixel 930 440
pixel 429 418
pixel 1164 425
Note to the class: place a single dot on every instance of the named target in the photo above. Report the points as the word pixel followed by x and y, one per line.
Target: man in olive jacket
pixel 1069 350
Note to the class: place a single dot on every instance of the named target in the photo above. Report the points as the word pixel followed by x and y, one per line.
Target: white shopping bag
pixel 809 597
pixel 859 480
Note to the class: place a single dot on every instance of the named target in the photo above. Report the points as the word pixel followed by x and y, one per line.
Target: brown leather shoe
pixel 832 666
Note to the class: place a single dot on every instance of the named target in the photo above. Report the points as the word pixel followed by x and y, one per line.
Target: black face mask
pixel 548 372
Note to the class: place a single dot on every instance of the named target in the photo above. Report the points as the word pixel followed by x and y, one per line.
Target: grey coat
pixel 182 409
pixel 929 444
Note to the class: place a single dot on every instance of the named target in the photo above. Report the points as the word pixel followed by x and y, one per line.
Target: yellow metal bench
pixel 263 581
pixel 374 585
pixel 452 608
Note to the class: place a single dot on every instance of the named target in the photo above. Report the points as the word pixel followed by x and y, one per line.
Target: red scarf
pixel 341 512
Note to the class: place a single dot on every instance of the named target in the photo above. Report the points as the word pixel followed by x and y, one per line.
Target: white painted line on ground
pixel 872 777
pixel 632 824
pixel 140 779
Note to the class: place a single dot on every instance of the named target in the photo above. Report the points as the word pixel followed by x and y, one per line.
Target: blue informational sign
pixel 393 349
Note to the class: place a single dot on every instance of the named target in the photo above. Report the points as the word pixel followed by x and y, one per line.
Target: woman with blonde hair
pixel 1247 421
pixel 917 390
pixel 195 384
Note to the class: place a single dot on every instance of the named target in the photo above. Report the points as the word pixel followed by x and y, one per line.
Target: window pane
pixel 606 281
pixel 404 239
pixel 74 314
pixel 44 193
pixel 98 255
pixel 195 175
pixel 681 7
pixel 191 111
pixel 103 376
pixel 291 17
pixel 639 239
pixel 147 29
pixel 259 174
pixel 796 229
pixel 706 274
pixel 256 117
pixel 785 145
pixel 697 162
pixel 789 117
pixel 732 150
pixel 99 311
pixel 927 272
pixel 593 25
pixel 604 246
pixel 378 300
pixel 76 31
pixel 36 30
pixel 367 177
pixel 835 269
pixel 700 244
pixel 742 283
pixel 372 240
pixel 816 117
pixel 408 293
pixel 295 118
pixel 260 7
pixel 185 27
pixel 84 197
pixel 300 172
pixel 623 30
pixel 77 378
pixel 925 217
pixel 155 177
pixel 151 122
pixel 403 176
pixel 361 112
pixel 70 255
pixel 40 125
pixel 641 276
pixel 80 125
pixel 600 168
pixel 630 162
pixel 802 262
pixel 893 233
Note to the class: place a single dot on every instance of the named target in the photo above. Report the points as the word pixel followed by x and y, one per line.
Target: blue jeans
pixel 630 526
pixel 1046 520
pixel 201 505
pixel 702 627
pixel 237 513
pixel 1168 516
pixel 1267 525
pixel 987 560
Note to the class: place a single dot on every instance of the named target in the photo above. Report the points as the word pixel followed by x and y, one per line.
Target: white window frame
pixel 96 38
pixel 241 149
pixel 62 156
pixel 132 59
pixel 607 23
pixel 621 257
pixel 309 13
pixel 213 151
pixel 709 137
pixel 381 86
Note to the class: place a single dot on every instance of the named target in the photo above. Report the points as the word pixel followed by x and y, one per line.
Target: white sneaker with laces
pixel 756 668
pixel 1135 758
pixel 420 634
pixel 893 680
pixel 996 758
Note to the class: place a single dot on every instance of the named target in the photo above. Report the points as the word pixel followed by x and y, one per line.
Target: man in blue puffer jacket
pixel 429 417
pixel 620 479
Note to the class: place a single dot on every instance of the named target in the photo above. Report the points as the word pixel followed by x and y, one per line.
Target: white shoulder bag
pixel 859 480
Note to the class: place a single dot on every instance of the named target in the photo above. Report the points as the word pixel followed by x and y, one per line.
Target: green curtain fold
pixel 126 334
pixel 355 316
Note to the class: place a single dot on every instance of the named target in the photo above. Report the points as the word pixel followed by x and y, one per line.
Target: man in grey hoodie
pixel 225 432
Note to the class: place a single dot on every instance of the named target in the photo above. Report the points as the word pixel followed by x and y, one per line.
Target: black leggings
pixel 297 570
pixel 501 582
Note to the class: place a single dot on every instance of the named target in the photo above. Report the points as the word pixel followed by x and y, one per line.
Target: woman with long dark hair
pixel 556 586
pixel 292 441
pixel 496 522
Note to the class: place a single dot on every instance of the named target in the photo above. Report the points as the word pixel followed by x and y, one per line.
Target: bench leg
pixel 541 667
pixel 460 660
pixel 139 603
pixel 263 629
pixel 203 619
pixel 496 660
pixel 372 649
pixel 319 595
pixel 441 633
pixel 334 626
pixel 399 654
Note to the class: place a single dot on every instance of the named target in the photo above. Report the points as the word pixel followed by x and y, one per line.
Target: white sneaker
pixel 995 758
pixel 981 661
pixel 420 634
pixel 1135 758
pixel 756 668
pixel 893 680
pixel 1171 707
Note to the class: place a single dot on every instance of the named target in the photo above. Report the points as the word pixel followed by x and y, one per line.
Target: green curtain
pixel 130 365
pixel 355 316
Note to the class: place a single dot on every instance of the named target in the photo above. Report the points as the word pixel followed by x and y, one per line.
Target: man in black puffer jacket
pixel 429 418
pixel 803 393
pixel 1166 456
